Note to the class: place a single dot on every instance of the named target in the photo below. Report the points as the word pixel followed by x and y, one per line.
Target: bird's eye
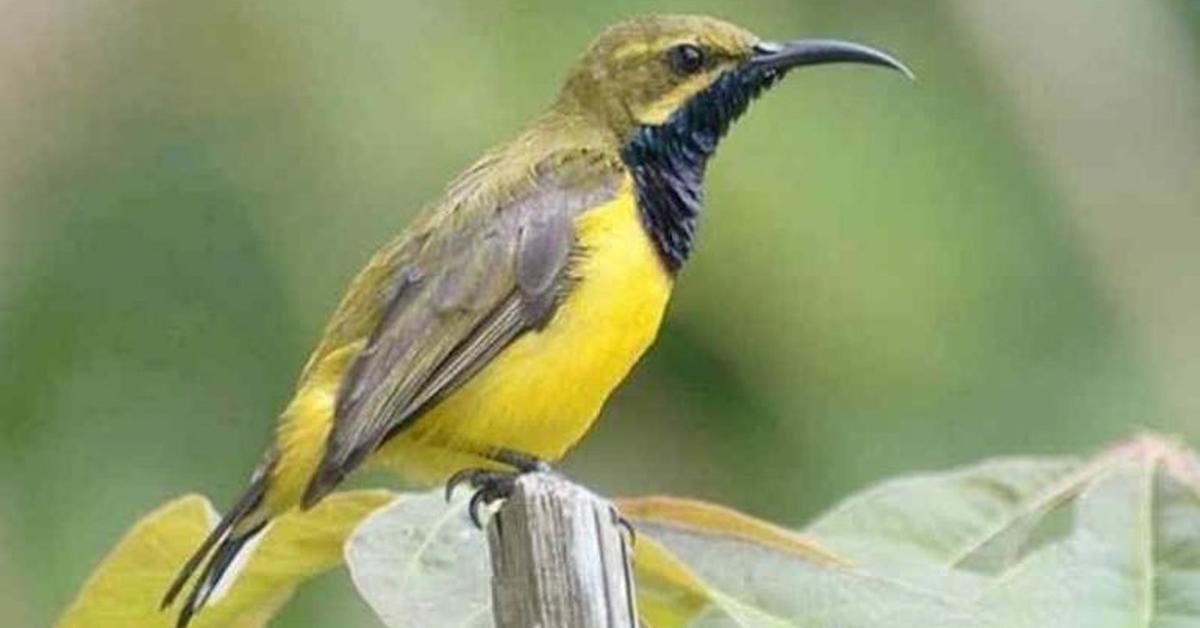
pixel 686 58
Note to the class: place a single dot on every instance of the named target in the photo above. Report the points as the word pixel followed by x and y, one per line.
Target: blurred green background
pixel 1003 257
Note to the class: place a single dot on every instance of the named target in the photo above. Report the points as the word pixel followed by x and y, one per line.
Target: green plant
pixel 1013 542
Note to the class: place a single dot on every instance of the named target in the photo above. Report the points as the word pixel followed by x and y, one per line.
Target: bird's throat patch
pixel 667 160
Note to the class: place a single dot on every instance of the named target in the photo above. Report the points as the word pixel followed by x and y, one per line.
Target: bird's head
pixel 689 70
pixel 667 88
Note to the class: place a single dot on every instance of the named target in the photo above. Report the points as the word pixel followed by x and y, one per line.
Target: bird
pixel 483 340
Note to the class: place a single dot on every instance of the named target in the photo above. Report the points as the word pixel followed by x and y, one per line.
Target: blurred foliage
pixel 890 275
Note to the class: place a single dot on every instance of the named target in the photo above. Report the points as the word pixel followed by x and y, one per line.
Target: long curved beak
pixel 783 56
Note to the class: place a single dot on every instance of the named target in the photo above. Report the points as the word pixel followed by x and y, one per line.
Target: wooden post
pixel 560 559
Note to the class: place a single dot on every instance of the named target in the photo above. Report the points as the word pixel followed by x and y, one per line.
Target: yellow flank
pixel 303 428
pixel 542 393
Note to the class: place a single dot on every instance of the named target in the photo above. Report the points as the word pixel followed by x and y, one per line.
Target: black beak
pixel 781 57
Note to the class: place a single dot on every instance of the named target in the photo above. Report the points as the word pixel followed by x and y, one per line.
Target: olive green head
pixel 666 89
pixel 643 71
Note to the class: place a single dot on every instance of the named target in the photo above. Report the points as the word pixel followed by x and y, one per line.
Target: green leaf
pixel 420 563
pixel 750 583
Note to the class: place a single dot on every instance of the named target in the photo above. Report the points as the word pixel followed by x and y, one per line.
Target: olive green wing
pixel 488 267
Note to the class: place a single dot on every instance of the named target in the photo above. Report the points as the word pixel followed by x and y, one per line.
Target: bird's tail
pixel 238 527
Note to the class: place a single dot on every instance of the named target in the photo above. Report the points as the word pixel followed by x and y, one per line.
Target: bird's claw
pixel 620 520
pixel 490 486
pixel 457 479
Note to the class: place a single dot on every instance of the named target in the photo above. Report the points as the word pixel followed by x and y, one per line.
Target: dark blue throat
pixel 667 161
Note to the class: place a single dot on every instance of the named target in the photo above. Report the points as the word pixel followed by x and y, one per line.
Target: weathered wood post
pixel 560 559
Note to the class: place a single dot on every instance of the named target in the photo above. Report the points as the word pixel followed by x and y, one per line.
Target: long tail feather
pixel 219 549
pixel 213 571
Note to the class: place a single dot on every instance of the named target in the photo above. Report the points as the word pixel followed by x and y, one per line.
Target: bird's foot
pixel 492 485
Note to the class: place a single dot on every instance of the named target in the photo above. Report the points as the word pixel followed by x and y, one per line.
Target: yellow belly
pixel 542 393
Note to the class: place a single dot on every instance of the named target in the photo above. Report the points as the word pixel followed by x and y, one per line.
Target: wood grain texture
pixel 560 558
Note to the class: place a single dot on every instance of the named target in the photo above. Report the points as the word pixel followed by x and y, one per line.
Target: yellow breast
pixel 542 393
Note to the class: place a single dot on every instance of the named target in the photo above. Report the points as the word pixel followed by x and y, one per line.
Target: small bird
pixel 483 341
